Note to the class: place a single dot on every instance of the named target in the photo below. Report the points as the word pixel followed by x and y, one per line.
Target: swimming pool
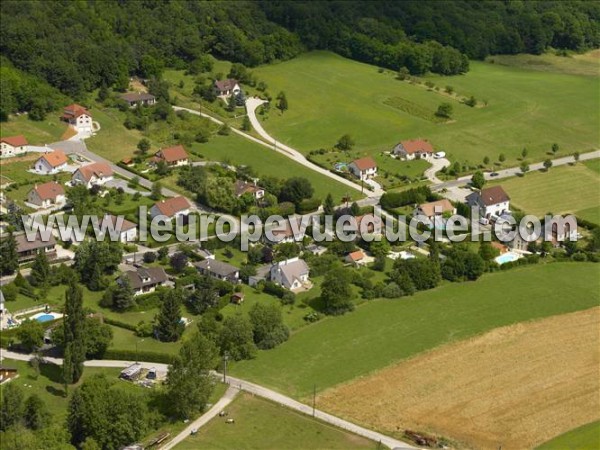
pixel 507 257
pixel 46 317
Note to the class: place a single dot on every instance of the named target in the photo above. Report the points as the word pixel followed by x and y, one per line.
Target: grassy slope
pixel 586 437
pixel 585 64
pixel 329 96
pixel 260 424
pixel 565 189
pixel 382 332
pixel 37 133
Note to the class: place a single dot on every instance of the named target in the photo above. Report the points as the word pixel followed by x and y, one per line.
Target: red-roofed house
pixel 46 195
pixel 227 87
pixel 92 174
pixel 435 209
pixel 363 168
pixel 173 156
pixel 78 117
pixel 242 187
pixel 51 163
pixel 357 258
pixel 12 146
pixel 172 208
pixel 413 149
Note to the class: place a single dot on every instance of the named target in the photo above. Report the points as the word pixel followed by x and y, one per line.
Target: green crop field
pixel 382 332
pixel 566 189
pixel 586 437
pixel 329 96
pixel 260 424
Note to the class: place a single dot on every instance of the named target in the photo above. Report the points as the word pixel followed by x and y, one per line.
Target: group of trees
pixel 16 411
pixel 413 196
pixel 95 259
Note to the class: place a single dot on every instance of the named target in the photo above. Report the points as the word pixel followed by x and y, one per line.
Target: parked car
pixel 439 155
pixel 494 174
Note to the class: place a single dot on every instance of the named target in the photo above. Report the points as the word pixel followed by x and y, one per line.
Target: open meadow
pixel 329 96
pixel 262 425
pixel 573 189
pixel 381 332
pixel 487 391
pixel 586 437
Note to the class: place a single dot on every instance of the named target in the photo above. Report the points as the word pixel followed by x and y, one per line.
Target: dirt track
pixel 515 386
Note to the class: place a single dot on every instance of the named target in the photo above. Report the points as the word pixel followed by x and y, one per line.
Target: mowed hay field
pixel 329 96
pixel 562 190
pixel 514 387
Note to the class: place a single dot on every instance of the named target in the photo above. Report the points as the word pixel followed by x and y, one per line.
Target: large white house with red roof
pixel 78 117
pixel 172 208
pixel 13 146
pixel 413 149
pixel 173 156
pixel 92 174
pixel 363 168
pixel 46 195
pixel 51 163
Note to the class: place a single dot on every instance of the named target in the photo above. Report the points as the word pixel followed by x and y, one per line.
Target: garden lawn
pixel 565 189
pixel 330 96
pixel 260 424
pixel 586 437
pixel 37 133
pixel 383 332
pixel 237 150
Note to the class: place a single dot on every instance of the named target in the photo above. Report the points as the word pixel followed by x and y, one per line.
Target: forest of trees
pixel 76 47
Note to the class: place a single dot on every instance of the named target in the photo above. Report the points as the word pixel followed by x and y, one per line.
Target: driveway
pixel 436 166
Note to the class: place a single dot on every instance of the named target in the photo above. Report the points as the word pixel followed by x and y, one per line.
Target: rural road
pixel 245 386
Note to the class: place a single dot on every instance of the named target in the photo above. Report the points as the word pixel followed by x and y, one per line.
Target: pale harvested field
pixel 516 386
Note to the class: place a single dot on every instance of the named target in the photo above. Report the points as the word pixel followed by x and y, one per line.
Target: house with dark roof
pixel 13 146
pixel 413 149
pixel 292 274
pixel 492 202
pixel 134 99
pixel 363 168
pixel 51 163
pixel 78 117
pixel 28 250
pixel 227 88
pixel 242 187
pixel 97 173
pixel 219 270
pixel 173 156
pixel 145 280
pixel 172 208
pixel 46 195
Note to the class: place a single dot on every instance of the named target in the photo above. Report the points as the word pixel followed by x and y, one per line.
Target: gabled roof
pixel 172 154
pixel 55 158
pixel 152 275
pixel 417 146
pixel 217 267
pixel 356 256
pixel 23 245
pixel 225 85
pixel 75 110
pixel 97 169
pixel 493 195
pixel 15 141
pixel 49 191
pixel 125 225
pixel 365 163
pixel 172 206
pixel 293 270
pixel 443 206
pixel 242 187
pixel 133 97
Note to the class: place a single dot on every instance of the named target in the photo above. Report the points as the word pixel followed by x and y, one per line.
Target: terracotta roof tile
pixel 48 191
pixel 15 141
pixel 365 163
pixel 172 206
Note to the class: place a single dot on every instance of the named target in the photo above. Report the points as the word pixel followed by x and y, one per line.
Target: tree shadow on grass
pixel 56 392
pixel 52 372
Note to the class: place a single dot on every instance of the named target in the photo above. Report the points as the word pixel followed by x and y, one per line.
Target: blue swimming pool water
pixel 507 257
pixel 45 318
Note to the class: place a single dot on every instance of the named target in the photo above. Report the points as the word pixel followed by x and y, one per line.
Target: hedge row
pixel 132 355
pixel 120 324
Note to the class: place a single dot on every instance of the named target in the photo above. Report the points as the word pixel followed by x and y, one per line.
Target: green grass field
pixel 584 64
pixel 382 332
pixel 586 437
pixel 566 189
pixel 37 133
pixel 330 96
pixel 260 424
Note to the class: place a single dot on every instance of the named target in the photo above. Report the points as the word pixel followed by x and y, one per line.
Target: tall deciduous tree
pixel 336 291
pixel 31 334
pixel 478 180
pixel 74 334
pixel 267 325
pixel 169 327
pixel 188 380
pixel 236 338
pixel 11 408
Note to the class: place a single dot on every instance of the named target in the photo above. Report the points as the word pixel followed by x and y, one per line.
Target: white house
pixel 47 195
pixel 413 149
pixel 291 274
pixel 433 210
pixel 243 187
pixel 92 174
pixel 13 146
pixel 78 117
pixel 357 258
pixel 363 168
pixel 173 156
pixel 226 88
pixel 172 208
pixel 219 270
pixel 145 280
pixel 127 230
pixel 51 163
pixel 491 201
